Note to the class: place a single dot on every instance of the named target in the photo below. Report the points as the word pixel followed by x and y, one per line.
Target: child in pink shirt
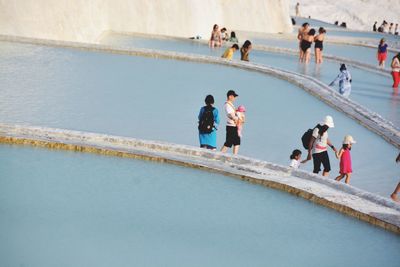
pixel 240 114
pixel 345 159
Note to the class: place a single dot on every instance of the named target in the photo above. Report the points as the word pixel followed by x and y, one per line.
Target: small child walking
pixel 345 159
pixel 295 159
pixel 240 114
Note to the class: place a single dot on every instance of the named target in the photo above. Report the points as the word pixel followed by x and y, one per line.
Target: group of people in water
pixel 218 37
pixel 306 37
pixel 386 27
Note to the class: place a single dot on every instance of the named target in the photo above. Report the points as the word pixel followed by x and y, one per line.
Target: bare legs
pixel 395 192
pixel 341 176
pixel 318 56
pixel 235 149
pixel 305 56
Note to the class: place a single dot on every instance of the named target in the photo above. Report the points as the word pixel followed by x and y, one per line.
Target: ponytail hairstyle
pixel 295 153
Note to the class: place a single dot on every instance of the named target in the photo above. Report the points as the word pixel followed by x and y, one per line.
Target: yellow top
pixel 228 54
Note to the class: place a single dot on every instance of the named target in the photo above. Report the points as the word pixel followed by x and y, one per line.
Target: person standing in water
pixel 344 79
pixel 382 53
pixel 319 41
pixel 245 50
pixel 305 46
pixel 396 71
pixel 215 39
pixel 303 30
pixel 228 54
pixel 232 137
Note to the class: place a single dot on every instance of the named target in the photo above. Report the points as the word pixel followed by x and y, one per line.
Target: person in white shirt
pixel 319 146
pixel 232 137
pixel 344 79
pixel 295 159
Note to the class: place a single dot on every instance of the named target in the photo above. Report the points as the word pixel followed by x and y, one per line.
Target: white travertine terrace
pixel 85 21
pixel 344 198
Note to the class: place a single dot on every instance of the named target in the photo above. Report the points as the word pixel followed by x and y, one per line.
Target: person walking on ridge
pixel 208 121
pixel 232 137
pixel 345 159
pixel 318 146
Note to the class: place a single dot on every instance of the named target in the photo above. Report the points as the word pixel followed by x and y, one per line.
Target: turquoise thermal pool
pixel 160 99
pixel 370 89
pixel 61 208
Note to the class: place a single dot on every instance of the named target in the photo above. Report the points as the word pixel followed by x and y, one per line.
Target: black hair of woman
pixel 233 35
pixel 235 46
pixel 246 44
pixel 295 153
pixel 324 128
pixel 215 26
pixel 209 100
pixel 321 30
pixel 311 32
pixel 343 67
pixel 305 24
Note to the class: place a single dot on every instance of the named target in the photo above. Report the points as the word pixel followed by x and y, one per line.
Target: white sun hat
pixel 329 121
pixel 348 139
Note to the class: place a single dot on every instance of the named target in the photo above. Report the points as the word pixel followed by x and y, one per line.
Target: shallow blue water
pixel 372 90
pixel 63 208
pixel 160 100
pixel 358 53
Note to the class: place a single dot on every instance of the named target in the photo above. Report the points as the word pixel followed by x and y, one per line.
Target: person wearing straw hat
pixel 319 146
pixel 345 159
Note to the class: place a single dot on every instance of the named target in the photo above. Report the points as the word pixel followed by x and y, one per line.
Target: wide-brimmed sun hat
pixel 328 121
pixel 348 139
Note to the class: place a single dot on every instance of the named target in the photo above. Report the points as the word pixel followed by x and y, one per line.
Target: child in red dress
pixel 345 159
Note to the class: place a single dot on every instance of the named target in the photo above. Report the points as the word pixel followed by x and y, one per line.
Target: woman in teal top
pixel 208 140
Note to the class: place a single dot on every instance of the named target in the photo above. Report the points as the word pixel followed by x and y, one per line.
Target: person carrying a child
pixel 345 159
pixel 241 119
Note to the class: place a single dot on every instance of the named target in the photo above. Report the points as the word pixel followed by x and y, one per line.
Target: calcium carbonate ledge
pixel 365 117
pixel 344 198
